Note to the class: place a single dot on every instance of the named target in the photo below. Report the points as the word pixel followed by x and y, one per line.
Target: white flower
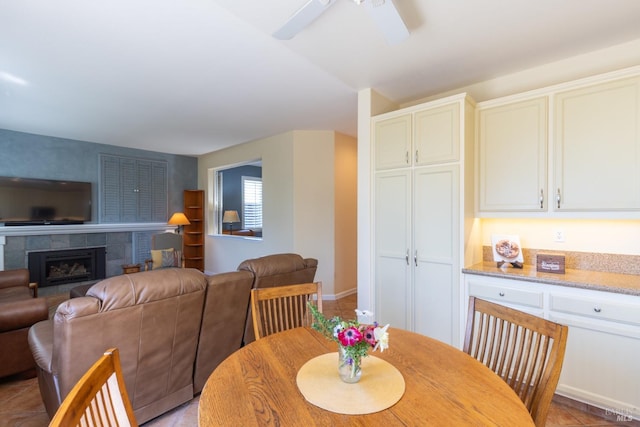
pixel 366 313
pixel 337 329
pixel 382 338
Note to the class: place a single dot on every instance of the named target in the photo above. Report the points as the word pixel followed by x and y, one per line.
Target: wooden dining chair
pixel 99 398
pixel 280 308
pixel 526 351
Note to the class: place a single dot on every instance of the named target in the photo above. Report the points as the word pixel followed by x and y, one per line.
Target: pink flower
pixel 350 336
pixel 369 335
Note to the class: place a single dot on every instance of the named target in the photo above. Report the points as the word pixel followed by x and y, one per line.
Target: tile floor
pixel 21 406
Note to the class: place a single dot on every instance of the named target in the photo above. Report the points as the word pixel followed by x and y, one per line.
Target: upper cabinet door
pixel 512 142
pixel 133 190
pixel 393 142
pixel 437 135
pixel 597 147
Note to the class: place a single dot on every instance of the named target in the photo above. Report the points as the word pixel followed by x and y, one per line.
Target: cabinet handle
pixel 406 157
pixel 406 257
pixel 416 156
pixel 558 198
pixel 541 198
pixel 597 309
pixel 415 258
pixel 501 294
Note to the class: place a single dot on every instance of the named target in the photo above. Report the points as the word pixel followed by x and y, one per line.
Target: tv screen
pixel 28 201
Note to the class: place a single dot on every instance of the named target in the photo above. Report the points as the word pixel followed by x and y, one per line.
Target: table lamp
pixel 230 217
pixel 179 219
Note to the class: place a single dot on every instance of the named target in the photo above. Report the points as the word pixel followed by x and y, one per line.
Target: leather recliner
pixel 19 309
pixel 171 335
pixel 276 270
pixel 153 318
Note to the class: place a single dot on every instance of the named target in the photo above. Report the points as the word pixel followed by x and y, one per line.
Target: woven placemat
pixel 379 388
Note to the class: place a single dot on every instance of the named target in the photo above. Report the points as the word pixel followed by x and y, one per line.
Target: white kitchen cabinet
pixel 600 364
pixel 436 135
pixel 507 292
pixel 512 156
pixel 425 137
pixel 418 220
pixel 571 150
pixel 436 246
pixel 393 142
pixel 602 348
pixel 393 245
pixel 597 147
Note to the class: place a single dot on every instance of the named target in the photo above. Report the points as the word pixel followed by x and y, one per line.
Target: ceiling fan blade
pixel 387 18
pixel 303 17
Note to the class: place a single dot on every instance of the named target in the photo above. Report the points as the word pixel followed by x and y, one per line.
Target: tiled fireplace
pixel 60 267
pixel 121 243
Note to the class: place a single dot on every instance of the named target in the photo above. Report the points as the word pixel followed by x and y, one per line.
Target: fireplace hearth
pixel 59 267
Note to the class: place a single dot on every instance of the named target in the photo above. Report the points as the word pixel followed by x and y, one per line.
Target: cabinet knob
pixel 597 309
pixel 501 294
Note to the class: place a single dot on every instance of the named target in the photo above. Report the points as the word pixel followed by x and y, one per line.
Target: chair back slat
pixel 99 398
pixel 280 308
pixel 526 351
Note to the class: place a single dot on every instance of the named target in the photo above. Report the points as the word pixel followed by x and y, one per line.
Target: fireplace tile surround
pixel 124 243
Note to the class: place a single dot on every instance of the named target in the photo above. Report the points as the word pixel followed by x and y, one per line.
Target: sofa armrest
pixel 22 314
pixel 13 278
pixel 34 289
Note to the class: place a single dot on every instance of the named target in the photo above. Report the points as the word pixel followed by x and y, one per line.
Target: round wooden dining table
pixel 256 386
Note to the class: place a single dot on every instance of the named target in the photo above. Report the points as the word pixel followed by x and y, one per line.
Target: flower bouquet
pixel 354 340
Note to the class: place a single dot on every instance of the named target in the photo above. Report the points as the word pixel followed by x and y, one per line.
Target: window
pixel 237 188
pixel 251 203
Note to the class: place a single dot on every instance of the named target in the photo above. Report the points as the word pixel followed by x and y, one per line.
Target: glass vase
pixel 349 369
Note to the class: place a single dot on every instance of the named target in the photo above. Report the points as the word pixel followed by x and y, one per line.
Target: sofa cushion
pixel 138 288
pixel 276 270
pixel 271 265
pixel 223 319
pixel 15 294
pixel 164 258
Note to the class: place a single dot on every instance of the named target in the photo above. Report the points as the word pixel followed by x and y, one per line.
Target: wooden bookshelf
pixel 193 234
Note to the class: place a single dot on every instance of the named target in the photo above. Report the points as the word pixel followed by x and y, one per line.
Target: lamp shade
pixel 178 218
pixel 230 216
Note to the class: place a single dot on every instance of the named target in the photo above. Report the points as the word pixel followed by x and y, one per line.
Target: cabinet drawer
pixel 506 294
pixel 597 308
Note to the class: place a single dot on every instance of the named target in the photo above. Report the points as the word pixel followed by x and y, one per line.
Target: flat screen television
pixel 29 201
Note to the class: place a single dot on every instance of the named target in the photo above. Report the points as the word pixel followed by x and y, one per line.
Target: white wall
pixel 299 202
pixel 313 201
pixel 581 235
pixel 345 212
pixel 224 253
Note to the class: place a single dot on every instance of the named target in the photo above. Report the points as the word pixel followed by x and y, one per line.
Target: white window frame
pixel 246 224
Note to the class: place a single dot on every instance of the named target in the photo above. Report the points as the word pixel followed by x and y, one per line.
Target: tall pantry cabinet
pixel 423 207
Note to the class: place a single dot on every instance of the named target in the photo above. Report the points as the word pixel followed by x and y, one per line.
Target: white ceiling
pixel 193 76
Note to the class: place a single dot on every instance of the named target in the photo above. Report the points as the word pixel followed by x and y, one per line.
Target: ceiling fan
pixel 383 13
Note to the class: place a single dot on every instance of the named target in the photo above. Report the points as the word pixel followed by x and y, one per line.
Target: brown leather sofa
pixel 166 324
pixel 172 327
pixel 19 309
pixel 276 270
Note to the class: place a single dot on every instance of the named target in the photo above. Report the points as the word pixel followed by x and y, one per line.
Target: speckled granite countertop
pixel 586 279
